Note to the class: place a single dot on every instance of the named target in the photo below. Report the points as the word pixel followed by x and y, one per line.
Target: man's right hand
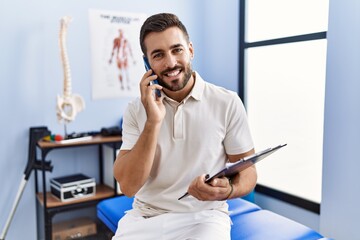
pixel 154 106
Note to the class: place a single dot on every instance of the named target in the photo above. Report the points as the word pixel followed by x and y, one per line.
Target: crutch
pixel 36 133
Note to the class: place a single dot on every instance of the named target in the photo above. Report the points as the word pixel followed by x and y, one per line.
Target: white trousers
pixel 204 225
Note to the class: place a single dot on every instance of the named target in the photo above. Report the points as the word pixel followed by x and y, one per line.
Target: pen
pixel 186 194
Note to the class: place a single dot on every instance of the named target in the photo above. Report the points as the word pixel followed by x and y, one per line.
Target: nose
pixel 170 61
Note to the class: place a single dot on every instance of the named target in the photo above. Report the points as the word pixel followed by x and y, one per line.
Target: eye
pixel 178 50
pixel 157 55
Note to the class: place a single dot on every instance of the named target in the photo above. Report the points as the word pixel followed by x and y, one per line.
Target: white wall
pixel 221 43
pixel 31 77
pixel 340 211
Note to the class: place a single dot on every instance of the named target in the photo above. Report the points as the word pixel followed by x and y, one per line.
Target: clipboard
pixel 232 169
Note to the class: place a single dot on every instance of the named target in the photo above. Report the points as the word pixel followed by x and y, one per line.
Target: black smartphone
pixel 147 67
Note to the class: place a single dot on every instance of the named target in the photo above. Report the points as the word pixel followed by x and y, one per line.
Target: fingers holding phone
pixel 153 104
pixel 146 83
pixel 154 81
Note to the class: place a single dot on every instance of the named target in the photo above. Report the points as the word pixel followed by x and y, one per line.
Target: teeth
pixel 172 74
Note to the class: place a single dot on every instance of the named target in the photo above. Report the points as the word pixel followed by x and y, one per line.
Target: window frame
pixel 243 45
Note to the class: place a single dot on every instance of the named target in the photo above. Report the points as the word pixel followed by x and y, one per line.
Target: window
pixel 282 83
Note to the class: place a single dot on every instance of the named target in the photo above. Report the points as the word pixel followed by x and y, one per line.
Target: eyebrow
pixel 171 47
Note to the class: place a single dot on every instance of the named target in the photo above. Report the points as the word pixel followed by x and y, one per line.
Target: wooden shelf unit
pixel 52 205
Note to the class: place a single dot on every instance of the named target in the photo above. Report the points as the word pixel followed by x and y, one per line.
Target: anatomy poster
pixel 116 57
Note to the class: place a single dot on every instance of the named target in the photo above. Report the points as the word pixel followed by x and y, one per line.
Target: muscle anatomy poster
pixel 116 57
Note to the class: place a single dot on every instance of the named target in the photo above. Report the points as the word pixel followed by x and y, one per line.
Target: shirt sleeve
pixel 130 128
pixel 238 137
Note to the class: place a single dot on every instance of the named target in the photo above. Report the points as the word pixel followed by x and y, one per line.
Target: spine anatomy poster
pixel 116 57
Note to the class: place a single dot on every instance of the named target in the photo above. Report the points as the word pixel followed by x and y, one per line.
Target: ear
pixel 191 50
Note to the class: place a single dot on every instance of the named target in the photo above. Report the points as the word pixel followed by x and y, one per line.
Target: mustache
pixel 177 67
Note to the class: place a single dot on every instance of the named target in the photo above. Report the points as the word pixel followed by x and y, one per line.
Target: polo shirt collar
pixel 198 89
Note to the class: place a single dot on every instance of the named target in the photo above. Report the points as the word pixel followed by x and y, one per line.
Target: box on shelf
pixel 74 229
pixel 72 187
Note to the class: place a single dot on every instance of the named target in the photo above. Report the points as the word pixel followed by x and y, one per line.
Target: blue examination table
pixel 250 222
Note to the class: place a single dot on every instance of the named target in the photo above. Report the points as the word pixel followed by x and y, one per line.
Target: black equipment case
pixel 72 187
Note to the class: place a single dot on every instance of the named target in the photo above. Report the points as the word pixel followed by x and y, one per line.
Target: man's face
pixel 169 56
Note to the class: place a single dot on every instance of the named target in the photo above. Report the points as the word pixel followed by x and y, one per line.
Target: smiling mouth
pixel 173 73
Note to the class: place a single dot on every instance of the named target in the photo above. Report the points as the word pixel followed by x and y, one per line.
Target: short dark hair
pixel 158 23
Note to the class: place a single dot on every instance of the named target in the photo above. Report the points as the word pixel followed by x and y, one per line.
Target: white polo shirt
pixel 195 137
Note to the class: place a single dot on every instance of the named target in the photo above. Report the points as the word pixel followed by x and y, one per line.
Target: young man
pixel 171 142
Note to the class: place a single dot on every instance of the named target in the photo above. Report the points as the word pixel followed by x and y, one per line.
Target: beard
pixel 177 84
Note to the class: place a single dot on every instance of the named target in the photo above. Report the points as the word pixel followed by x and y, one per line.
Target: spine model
pixel 68 104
